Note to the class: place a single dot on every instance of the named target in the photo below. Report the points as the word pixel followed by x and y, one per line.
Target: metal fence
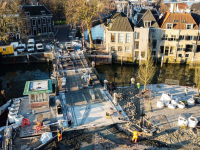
pixel 172 82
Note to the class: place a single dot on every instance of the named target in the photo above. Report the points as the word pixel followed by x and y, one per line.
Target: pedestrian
pixel 138 86
pixel 186 91
pixel 135 136
pixel 69 53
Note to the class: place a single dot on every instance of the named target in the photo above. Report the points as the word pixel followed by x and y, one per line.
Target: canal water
pixel 168 71
pixel 17 75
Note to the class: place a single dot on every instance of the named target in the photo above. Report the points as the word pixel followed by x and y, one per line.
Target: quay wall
pixel 26 58
pixel 100 59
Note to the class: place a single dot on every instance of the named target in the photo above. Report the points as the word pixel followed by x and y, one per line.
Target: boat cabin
pixel 38 92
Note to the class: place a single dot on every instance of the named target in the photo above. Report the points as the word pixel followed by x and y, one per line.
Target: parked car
pixel 21 48
pixel 15 44
pixel 77 43
pixel 31 45
pixel 39 47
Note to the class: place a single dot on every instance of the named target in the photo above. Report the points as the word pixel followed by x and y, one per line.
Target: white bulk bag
pixel 14 108
pixel 192 122
pixel 191 102
pixel 182 121
pixel 18 119
pixel 171 106
pixel 165 97
pixel 174 102
pixel 13 112
pixel 181 105
pixel 160 104
pixel 11 118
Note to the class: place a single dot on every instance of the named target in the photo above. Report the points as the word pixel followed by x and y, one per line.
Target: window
pixel 4 49
pixel 181 37
pixel 43 12
pixel 173 37
pixel 169 26
pixel 198 38
pixel 113 37
pixel 189 37
pixel 161 49
pixel 147 24
pixel 172 50
pixel 127 49
pixel 187 55
pixel 180 48
pixel 44 21
pixel 153 32
pixel 136 44
pixel 34 22
pixel 189 26
pixel 137 54
pixel 198 48
pixel 49 28
pixel 40 30
pixel 182 21
pixel 45 29
pixel 137 35
pixel 189 48
pixel 166 50
pixel 128 38
pixel 121 37
pixel 175 20
pixel 49 21
pixel 112 48
pixel 39 21
pixel 165 36
pixel 180 55
pixel 153 53
pixel 27 13
pixel 120 49
pixel 154 43
pixel 142 54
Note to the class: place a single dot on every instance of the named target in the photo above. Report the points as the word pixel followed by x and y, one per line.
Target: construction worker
pixel 138 86
pixel 68 52
pixel 186 91
pixel 135 136
pixel 59 136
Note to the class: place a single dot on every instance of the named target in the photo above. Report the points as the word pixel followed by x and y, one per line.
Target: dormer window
pixel 189 26
pixel 147 24
pixel 27 13
pixel 175 21
pixel 169 26
pixel 43 12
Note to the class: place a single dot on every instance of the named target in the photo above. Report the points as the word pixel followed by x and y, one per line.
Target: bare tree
pixel 10 19
pixel 197 79
pixel 85 11
pixel 163 8
pixel 146 69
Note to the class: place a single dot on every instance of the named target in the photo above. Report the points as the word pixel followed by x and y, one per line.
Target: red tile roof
pixel 182 5
pixel 170 17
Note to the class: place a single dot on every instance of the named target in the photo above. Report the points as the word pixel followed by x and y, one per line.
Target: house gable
pixel 148 17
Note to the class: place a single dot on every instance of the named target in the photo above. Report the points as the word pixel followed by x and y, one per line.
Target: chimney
pixel 171 8
pixel 131 13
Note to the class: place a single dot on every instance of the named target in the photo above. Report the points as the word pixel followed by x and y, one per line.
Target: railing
pixel 172 82
pixel 93 69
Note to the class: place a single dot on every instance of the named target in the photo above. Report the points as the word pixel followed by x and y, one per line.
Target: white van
pixel 15 44
pixel 39 47
pixel 21 47
pixel 31 45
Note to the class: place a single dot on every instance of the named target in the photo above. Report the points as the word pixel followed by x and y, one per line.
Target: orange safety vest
pixel 135 134
pixel 38 124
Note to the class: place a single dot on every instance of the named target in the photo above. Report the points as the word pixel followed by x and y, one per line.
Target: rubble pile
pixel 179 139
pixel 131 108
pixel 101 143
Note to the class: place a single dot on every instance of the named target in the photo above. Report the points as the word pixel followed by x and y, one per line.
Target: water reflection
pixel 18 74
pixel 168 71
